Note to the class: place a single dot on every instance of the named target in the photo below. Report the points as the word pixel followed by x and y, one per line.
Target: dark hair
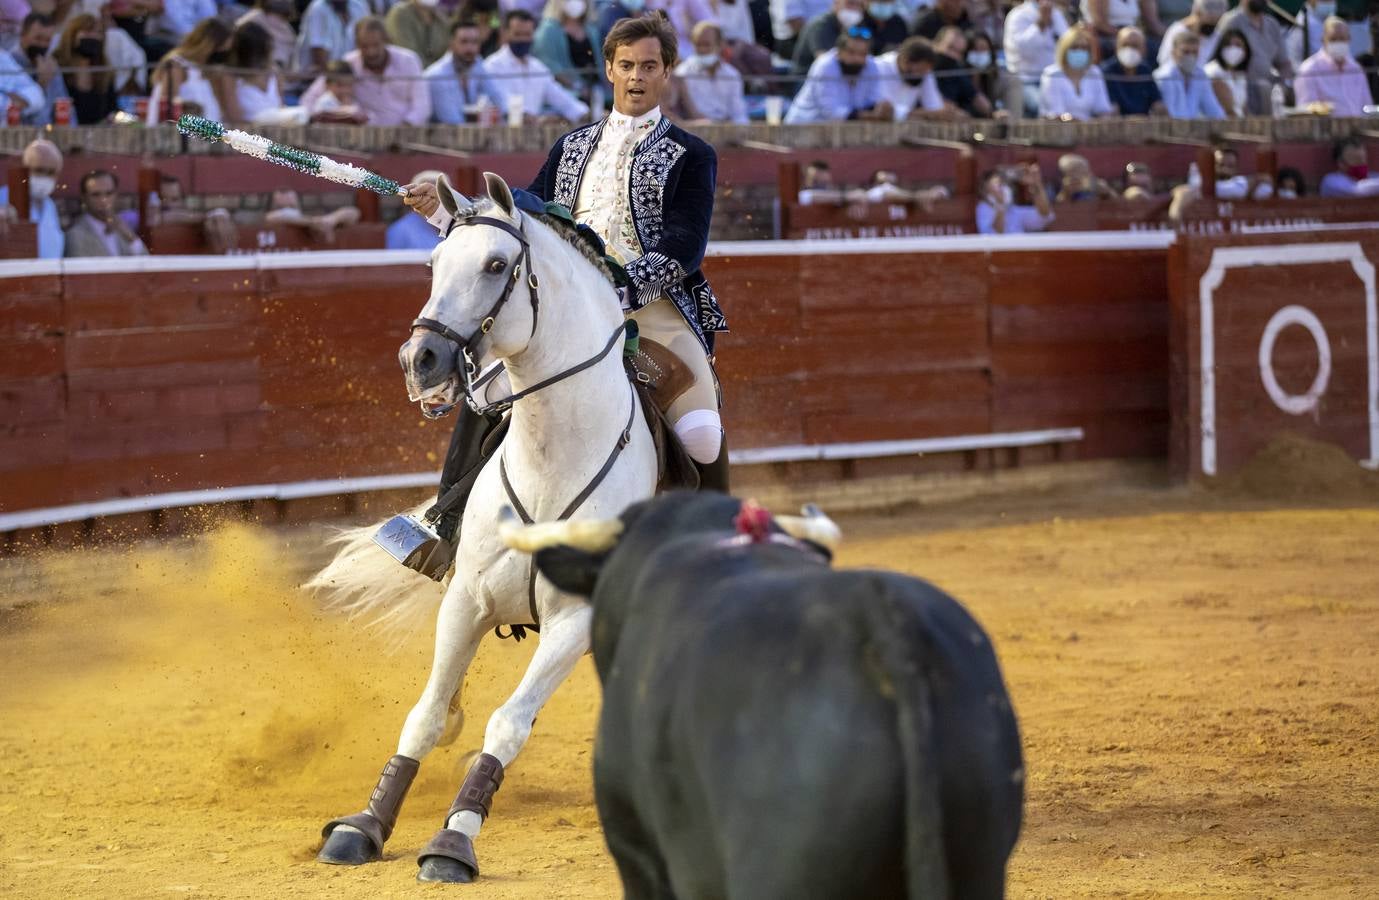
pixel 1288 172
pixel 820 164
pixel 165 178
pixel 517 15
pixel 630 31
pixel 98 173
pixel 1223 149
pixel 1344 144
pixel 916 50
pixel 1221 45
pixel 338 68
pixel 462 22
pixel 253 47
pixel 34 18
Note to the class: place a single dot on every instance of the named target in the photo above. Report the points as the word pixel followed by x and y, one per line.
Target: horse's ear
pixel 451 200
pixel 499 192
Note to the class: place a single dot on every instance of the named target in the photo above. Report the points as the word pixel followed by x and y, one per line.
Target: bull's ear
pixel 573 571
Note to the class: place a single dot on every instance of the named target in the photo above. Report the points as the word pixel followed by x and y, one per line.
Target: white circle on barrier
pixel 1297 404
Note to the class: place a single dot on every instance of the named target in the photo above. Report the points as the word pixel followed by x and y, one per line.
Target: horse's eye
pixel 497 266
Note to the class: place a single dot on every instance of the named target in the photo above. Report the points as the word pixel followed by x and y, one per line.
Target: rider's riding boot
pixel 464 458
pixel 713 476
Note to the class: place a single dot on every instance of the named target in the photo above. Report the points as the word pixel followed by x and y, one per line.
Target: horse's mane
pixel 566 232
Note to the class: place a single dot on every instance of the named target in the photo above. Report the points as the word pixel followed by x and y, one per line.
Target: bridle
pixel 467 347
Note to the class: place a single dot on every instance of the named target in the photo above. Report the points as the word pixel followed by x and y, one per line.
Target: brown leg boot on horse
pixel 449 855
pixel 362 841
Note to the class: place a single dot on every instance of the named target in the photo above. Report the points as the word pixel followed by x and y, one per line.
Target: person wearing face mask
pixel 843 84
pixel 33 58
pixel 523 78
pixel 567 42
pixel 1107 17
pixel 1031 37
pixel 1331 75
pixel 954 80
pixel 714 87
pixel 1201 21
pixel 1129 80
pixel 1227 71
pixel 1305 37
pixel 1186 89
pixel 1073 87
pixel 1013 201
pixel 181 75
pixel 1268 51
pixel 17 89
pixel 328 31
pixel 43 161
pixel 275 17
pixel 821 35
pixel 419 26
pixel 1289 184
pixel 81 54
pixel 1351 178
pixel 908 83
pixel 390 88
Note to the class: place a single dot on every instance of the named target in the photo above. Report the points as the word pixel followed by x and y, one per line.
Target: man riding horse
pixel 646 188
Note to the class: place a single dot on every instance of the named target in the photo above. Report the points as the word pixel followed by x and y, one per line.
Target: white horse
pixel 582 429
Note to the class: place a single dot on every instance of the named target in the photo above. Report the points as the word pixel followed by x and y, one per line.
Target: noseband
pixel 467 347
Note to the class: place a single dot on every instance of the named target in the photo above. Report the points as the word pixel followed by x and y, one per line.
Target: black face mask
pixel 218 58
pixel 35 53
pixel 91 48
pixel 914 80
pixel 851 70
pixel 1208 29
pixel 1257 6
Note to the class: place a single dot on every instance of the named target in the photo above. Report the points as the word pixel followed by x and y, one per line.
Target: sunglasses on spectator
pixel 857 31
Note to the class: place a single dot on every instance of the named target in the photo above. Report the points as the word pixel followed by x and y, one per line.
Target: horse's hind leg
pixel 359 838
pixel 450 854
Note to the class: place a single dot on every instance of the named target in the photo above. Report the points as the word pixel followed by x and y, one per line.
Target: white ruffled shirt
pixel 603 202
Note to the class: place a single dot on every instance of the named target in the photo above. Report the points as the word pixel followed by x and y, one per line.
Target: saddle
pixel 660 378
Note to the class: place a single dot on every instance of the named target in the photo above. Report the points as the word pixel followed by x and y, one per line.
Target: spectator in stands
pixel 989 77
pixel 788 20
pixel 98 231
pixel 844 83
pixel 17 89
pixel 485 14
pixel 1289 184
pixel 1231 184
pixel 1187 90
pixel 275 17
pixel 821 33
pixel 712 85
pixel 955 81
pixel 1268 51
pixel 338 102
pixel 43 161
pixel 180 75
pixel 181 16
pixel 81 54
pixel 998 211
pixel 252 95
pixel 328 31
pixel 125 47
pixel 734 17
pixel 610 11
pixel 683 16
pixel 1201 22
pixel 1106 18
pixel 1073 87
pixel 417 26
pixel 1129 79
pixel 1351 176
pixel 1139 182
pixel 891 27
pixel 34 56
pixel 413 232
pixel 217 225
pixel 943 14
pixel 1332 76
pixel 285 208
pixel 818 185
pixel 908 83
pixel 1031 38
pixel 1305 38
pixel 1077 183
pixel 459 82
pixel 1228 72
pixel 390 89
pixel 526 81
pixel 570 46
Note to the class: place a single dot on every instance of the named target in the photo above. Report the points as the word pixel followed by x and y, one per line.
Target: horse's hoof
pixel 441 868
pixel 347 847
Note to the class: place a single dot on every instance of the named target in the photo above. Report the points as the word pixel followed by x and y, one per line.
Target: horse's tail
pixel 367 585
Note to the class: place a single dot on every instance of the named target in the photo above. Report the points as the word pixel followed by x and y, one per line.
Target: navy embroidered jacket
pixel 671 197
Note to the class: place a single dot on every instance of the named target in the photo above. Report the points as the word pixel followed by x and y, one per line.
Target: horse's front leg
pixel 564 639
pixel 359 838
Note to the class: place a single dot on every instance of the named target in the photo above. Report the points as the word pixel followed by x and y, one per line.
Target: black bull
pixel 773 728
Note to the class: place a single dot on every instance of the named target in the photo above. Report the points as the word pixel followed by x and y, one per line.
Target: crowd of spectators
pixel 485 61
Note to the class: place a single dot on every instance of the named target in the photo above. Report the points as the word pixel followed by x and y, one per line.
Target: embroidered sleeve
pixel 677 246
pixel 651 275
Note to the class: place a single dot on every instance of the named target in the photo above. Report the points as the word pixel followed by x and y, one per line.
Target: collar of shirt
pixel 623 123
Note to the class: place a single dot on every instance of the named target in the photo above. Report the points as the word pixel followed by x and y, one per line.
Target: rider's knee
pixel 701 431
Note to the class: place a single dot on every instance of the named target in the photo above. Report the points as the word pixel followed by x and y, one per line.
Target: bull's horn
pixel 590 535
pixel 813 526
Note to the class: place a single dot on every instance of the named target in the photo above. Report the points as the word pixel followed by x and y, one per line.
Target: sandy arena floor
pixel 1198 690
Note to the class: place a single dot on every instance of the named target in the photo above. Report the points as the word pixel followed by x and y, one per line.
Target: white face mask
pixel 429 4
pixel 706 59
pixel 979 59
pixel 848 18
pixel 41 187
pixel 1188 63
pixel 1287 194
pixel 574 9
pixel 1129 57
pixel 1338 50
pixel 1233 55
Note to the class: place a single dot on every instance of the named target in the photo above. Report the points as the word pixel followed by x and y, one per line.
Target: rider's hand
pixel 422 197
